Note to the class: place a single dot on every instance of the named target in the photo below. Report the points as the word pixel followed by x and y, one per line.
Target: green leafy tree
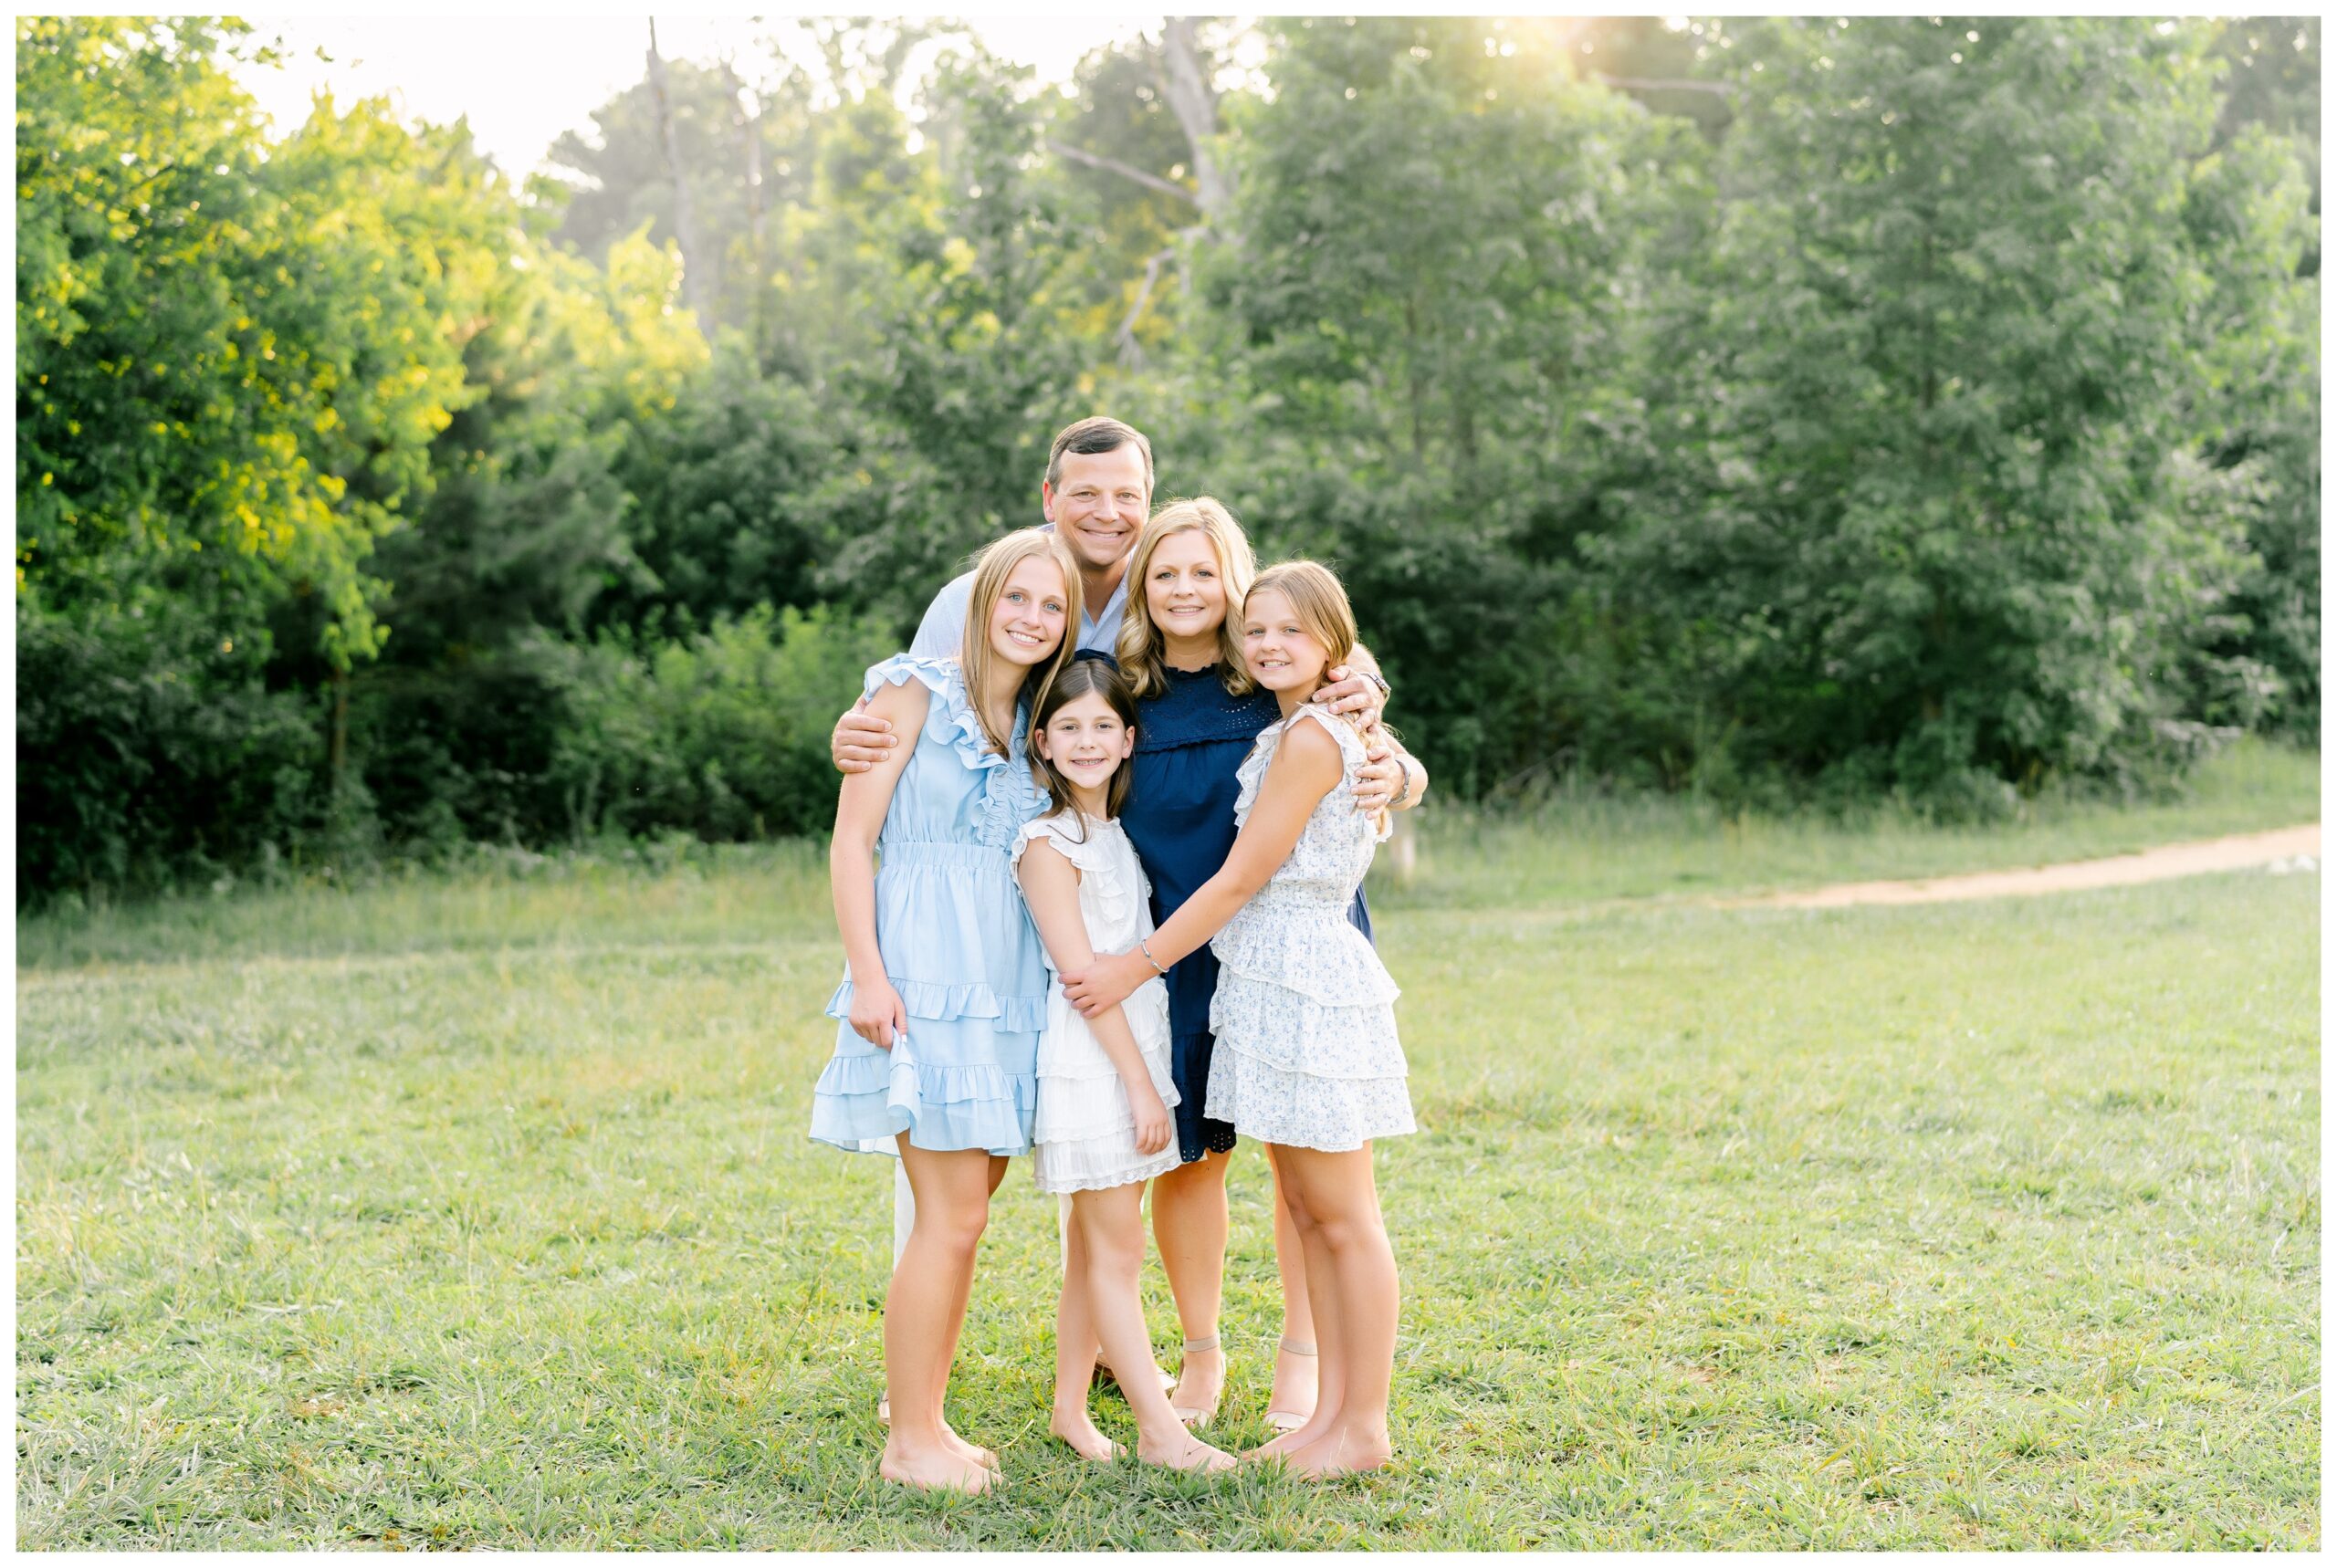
pixel 199 407
pixel 1431 322
pixel 1935 511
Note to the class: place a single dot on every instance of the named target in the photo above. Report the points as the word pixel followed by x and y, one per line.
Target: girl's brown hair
pixel 1139 647
pixel 991 568
pixel 1082 677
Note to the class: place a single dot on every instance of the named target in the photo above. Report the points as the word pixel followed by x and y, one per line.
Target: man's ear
pixel 1046 500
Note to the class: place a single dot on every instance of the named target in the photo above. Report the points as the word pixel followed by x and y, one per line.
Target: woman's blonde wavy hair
pixel 1141 645
pixel 976 658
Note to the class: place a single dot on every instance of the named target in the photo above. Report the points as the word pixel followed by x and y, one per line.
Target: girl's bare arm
pixel 1051 887
pixel 1306 769
pixel 861 806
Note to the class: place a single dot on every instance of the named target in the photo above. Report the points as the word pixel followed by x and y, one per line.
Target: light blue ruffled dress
pixel 958 945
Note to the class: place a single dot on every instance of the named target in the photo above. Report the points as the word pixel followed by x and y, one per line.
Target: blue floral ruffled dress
pixel 958 946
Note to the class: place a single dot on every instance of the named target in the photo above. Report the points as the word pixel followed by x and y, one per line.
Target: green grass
pixel 478 1213
pixel 1580 845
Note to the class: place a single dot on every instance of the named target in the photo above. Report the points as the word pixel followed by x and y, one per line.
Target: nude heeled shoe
pixel 1281 1421
pixel 1199 1417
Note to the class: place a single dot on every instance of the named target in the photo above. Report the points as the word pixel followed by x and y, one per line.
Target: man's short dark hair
pixel 1089 436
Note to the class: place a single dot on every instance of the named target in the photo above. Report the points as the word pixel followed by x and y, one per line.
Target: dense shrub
pixel 723 734
pixel 149 746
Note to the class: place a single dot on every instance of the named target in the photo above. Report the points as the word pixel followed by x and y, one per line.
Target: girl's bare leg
pixel 923 1312
pixel 1075 1345
pixel 1295 1371
pixel 986 1457
pixel 1110 1226
pixel 1330 1338
pixel 1355 1295
pixel 1190 1224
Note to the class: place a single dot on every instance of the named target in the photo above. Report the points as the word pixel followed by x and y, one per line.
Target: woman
pixel 1197 714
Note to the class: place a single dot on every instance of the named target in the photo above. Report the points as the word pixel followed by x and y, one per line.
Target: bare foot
pixel 1185 1452
pixel 986 1458
pixel 936 1468
pixel 1086 1440
pixel 1346 1452
pixel 1289 1443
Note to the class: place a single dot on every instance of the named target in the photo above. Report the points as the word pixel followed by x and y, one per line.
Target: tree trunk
pixel 749 127
pixel 695 278
pixel 1194 103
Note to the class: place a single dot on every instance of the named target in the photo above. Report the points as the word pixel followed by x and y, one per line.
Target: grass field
pixel 477 1211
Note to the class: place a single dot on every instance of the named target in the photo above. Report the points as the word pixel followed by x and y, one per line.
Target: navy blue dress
pixel 1189 741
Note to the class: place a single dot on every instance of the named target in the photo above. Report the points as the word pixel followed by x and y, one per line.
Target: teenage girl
pixel 1307 1061
pixel 946 984
pixel 1103 1127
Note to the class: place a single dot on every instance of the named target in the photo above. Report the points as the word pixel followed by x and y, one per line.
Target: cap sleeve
pixel 952 716
pixel 1087 855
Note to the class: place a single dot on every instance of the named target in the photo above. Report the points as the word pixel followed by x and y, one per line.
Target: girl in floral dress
pixel 1307 1059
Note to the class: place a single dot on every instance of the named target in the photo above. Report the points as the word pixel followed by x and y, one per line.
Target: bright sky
pixel 523 80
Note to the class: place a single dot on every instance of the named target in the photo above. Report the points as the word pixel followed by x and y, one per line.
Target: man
pixel 1096 495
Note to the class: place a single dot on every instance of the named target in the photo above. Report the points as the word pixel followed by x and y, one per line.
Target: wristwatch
pixel 1376 679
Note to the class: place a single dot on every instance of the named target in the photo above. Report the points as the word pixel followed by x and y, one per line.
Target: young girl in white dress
pixel 1102 1128
pixel 1307 1058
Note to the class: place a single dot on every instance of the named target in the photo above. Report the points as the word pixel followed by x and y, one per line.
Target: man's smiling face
pixel 1100 505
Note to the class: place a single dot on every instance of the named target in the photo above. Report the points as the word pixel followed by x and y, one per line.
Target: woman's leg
pixel 1110 1226
pixel 926 1310
pixel 1295 1371
pixel 1352 1272
pixel 1190 1224
pixel 904 1210
pixel 904 1218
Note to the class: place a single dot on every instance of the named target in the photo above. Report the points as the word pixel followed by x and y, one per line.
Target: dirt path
pixel 2237 852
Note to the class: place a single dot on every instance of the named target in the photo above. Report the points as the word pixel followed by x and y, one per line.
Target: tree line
pixel 1796 411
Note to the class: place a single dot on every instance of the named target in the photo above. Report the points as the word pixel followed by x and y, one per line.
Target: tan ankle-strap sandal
pixel 1198 1416
pixel 1280 1421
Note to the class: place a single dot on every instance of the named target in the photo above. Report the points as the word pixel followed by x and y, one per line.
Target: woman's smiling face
pixel 1184 588
pixel 1283 656
pixel 1026 624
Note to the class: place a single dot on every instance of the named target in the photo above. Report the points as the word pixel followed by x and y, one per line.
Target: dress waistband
pixel 894 854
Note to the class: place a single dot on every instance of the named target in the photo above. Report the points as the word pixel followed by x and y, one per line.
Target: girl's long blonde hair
pixel 1318 600
pixel 976 658
pixel 1141 644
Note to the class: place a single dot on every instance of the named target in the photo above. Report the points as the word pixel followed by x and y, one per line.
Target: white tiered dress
pixel 1084 1135
pixel 1306 1047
